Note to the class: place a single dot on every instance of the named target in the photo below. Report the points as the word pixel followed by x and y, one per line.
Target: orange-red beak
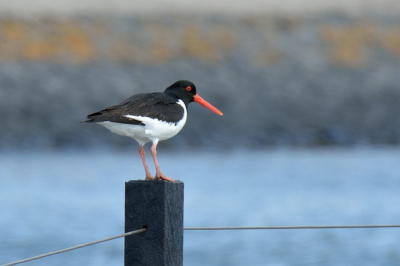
pixel 203 102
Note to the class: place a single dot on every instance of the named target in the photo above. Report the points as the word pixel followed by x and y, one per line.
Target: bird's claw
pixel 149 177
pixel 163 177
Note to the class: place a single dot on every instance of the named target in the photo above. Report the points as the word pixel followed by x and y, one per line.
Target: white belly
pixel 153 130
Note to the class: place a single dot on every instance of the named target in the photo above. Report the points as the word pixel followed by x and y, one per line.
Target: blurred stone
pixel 323 80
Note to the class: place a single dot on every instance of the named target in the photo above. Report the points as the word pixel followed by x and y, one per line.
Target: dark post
pixel 157 205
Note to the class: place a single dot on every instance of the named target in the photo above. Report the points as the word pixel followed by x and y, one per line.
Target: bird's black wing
pixel 160 106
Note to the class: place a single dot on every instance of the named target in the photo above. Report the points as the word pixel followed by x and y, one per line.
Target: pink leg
pixel 159 175
pixel 146 168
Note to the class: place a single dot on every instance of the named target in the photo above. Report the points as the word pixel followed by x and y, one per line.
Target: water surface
pixel 50 201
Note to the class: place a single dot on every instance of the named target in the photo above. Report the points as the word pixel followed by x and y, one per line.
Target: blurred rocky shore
pixel 297 81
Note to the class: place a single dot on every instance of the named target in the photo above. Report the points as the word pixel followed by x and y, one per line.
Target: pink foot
pixel 150 177
pixel 163 177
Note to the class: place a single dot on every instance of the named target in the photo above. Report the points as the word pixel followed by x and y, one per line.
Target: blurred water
pixel 50 201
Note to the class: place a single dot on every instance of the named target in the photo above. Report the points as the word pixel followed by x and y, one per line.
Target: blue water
pixel 50 201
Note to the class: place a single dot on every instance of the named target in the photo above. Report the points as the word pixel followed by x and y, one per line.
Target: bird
pixel 151 117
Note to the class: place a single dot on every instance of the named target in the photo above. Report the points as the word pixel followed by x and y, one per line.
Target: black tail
pixel 94 117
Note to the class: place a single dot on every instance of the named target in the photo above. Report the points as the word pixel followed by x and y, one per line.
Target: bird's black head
pixel 186 91
pixel 183 89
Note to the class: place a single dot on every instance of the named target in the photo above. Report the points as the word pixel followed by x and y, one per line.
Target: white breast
pixel 153 129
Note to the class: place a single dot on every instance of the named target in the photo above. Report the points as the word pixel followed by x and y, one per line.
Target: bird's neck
pixel 185 100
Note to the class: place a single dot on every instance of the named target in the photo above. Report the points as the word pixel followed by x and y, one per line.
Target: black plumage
pixel 162 106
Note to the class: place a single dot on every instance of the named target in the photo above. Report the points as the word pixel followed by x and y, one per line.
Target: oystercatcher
pixel 151 117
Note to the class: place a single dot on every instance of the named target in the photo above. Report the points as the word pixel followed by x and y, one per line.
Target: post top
pixel 153 182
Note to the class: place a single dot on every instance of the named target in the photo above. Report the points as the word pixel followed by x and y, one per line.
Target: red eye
pixel 188 88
